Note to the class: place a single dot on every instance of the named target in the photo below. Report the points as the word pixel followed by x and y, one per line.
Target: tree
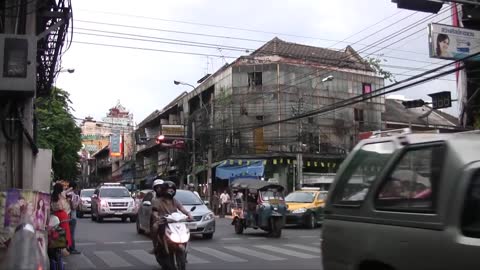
pixel 375 64
pixel 58 131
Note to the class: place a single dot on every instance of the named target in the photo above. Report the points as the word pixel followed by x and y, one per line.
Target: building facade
pixel 228 115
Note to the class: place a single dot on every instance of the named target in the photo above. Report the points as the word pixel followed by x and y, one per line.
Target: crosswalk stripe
pixel 192 259
pixel 316 244
pixel 304 247
pixel 254 253
pixel 287 252
pixel 218 254
pixel 81 262
pixel 111 259
pixel 143 256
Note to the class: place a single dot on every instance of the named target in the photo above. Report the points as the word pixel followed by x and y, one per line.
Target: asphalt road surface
pixel 116 245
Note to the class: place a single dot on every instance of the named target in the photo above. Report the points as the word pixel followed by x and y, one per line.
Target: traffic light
pixel 413 103
pixel 441 100
pixel 420 5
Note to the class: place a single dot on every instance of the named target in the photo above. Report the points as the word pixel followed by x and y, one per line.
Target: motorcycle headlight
pixel 208 216
pixel 299 211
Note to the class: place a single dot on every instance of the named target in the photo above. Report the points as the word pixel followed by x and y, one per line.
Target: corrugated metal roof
pixel 348 58
pixel 396 112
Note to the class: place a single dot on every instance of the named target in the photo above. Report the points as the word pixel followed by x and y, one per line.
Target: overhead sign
pixel 453 43
pixel 173 130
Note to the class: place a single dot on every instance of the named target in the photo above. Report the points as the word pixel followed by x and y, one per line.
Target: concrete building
pixel 227 115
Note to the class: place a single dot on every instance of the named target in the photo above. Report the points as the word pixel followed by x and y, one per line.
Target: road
pixel 116 245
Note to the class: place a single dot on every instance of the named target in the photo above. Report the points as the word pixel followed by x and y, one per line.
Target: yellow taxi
pixel 305 207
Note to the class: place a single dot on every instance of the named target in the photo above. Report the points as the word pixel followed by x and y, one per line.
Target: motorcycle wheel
pixel 180 260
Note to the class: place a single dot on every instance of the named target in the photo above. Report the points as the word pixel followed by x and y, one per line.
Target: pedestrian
pixel 191 187
pixel 215 203
pixel 74 200
pixel 224 199
pixel 61 208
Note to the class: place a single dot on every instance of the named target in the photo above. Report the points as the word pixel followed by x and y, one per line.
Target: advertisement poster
pixel 42 211
pixel 453 43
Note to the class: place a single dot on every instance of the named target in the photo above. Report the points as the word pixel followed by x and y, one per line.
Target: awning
pixel 229 169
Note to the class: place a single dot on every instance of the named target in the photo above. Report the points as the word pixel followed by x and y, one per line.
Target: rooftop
pixel 348 58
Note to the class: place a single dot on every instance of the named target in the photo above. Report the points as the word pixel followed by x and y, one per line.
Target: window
pixel 148 197
pixel 254 78
pixel 361 171
pixel 114 192
pixel 358 115
pixel 86 193
pixel 471 211
pixel 188 198
pixel 300 197
pixel 413 183
pixel 366 88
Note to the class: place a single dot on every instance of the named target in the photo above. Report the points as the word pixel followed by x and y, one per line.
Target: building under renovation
pixel 230 113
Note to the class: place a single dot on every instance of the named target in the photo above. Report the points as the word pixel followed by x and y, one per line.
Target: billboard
pixel 115 143
pixel 453 43
pixel 173 130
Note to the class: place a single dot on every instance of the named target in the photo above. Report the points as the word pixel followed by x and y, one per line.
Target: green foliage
pixel 375 63
pixel 58 131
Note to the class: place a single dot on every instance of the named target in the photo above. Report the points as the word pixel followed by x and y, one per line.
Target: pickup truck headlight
pixel 208 216
pixel 299 211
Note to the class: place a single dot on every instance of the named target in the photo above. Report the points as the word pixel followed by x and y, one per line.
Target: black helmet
pixel 166 186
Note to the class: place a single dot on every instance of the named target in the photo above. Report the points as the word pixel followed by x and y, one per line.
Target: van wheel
pixel 311 221
pixel 99 219
pixel 79 214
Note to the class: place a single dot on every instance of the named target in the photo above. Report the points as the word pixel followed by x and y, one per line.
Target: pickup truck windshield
pixel 114 192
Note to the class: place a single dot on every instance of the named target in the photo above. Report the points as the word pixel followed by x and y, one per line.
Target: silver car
pixel 406 202
pixel 85 206
pixel 204 223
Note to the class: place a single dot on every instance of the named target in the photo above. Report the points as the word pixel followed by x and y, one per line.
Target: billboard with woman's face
pixel 453 43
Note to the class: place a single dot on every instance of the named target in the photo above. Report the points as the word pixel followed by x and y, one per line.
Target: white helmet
pixel 156 183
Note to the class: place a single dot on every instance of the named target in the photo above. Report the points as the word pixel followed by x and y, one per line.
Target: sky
pixel 142 79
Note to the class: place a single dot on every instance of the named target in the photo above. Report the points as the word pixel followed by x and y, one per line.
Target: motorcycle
pixel 171 249
pixel 56 242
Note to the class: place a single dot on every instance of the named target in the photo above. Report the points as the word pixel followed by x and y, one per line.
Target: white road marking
pixel 316 244
pixel 192 259
pixel 288 252
pixel 229 239
pixel 112 259
pixel 304 247
pixel 218 254
pixel 141 242
pixel 143 256
pixel 85 244
pixel 255 253
pixel 80 261
pixel 114 243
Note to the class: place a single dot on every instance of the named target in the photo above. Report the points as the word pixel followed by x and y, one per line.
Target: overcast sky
pixel 143 80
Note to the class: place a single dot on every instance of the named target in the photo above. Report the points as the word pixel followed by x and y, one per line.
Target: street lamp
pixel 183 83
pixel 69 70
pixel 328 78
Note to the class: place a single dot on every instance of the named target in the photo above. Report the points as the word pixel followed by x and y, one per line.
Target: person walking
pixel 215 203
pixel 60 208
pixel 74 200
pixel 224 199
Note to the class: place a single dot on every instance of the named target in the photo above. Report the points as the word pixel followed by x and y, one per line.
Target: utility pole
pixel 194 178
pixel 298 111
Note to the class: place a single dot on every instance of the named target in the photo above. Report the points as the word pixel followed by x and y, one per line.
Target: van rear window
pixel 361 172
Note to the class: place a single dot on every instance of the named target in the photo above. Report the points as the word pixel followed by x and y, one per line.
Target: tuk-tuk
pixel 258 204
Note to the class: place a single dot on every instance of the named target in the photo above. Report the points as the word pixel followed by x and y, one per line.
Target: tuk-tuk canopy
pixel 247 183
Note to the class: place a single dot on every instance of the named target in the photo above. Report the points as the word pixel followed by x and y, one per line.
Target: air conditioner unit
pixel 18 71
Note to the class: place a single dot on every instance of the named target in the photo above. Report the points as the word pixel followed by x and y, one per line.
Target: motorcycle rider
pixel 164 204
